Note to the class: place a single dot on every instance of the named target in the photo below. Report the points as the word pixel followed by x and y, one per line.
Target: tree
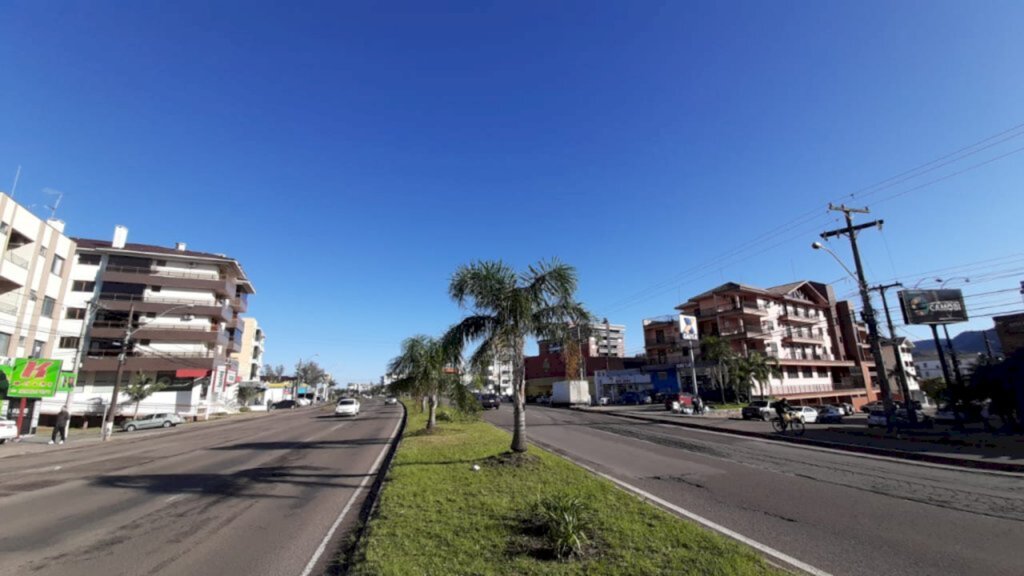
pixel 754 370
pixel 424 369
pixel 140 388
pixel 273 373
pixel 308 373
pixel 934 388
pixel 506 308
pixel 716 350
pixel 246 394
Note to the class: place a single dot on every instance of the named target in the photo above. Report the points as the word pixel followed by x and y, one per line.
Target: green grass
pixel 439 517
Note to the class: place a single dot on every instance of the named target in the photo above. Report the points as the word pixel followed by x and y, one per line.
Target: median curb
pixel 873 450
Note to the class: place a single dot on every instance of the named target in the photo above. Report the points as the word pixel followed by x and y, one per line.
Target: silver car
pixel 152 421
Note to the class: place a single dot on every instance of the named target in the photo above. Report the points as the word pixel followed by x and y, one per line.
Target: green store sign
pixel 34 378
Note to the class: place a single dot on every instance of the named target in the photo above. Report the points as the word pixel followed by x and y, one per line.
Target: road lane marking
pixel 763 548
pixel 348 505
pixel 175 497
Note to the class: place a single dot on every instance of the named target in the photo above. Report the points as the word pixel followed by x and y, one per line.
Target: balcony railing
pixel 151 326
pixel 168 273
pixel 810 336
pixel 748 331
pixel 751 308
pixel 157 300
pixel 16 260
pixel 144 353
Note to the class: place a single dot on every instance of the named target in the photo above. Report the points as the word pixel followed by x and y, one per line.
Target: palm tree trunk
pixel 136 415
pixel 519 401
pixel 432 420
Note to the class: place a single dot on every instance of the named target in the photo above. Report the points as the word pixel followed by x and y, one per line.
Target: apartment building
pixel 797 324
pixel 34 274
pixel 250 356
pixel 663 343
pixel 182 307
pixel 906 358
pixel 608 339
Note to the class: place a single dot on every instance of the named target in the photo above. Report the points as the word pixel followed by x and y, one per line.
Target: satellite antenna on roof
pixel 56 203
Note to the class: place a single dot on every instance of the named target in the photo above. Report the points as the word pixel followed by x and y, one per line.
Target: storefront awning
pixel 191 373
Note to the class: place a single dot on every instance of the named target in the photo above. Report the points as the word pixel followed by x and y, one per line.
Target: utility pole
pixel 988 346
pixel 869 313
pixel 108 416
pixel 956 361
pixel 900 370
pixel 90 308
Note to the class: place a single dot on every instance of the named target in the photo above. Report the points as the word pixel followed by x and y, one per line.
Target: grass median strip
pixel 523 514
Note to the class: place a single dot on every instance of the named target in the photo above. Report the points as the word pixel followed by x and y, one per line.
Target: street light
pixel 109 414
pixel 820 246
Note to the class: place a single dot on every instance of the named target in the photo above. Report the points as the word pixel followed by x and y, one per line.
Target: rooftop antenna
pixel 16 176
pixel 56 203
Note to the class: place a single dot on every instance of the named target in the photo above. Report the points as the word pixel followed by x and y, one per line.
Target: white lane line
pixel 175 497
pixel 763 548
pixel 337 522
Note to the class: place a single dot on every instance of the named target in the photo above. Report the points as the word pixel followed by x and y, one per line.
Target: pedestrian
pixel 58 428
pixel 698 405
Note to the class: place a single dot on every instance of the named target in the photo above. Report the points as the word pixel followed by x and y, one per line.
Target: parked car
pixel 488 401
pixel 845 408
pixel 634 398
pixel 302 402
pixel 603 401
pixel 390 400
pixel 758 410
pixel 876 405
pixel 876 418
pixel 830 415
pixel 152 421
pixel 8 430
pixel 281 404
pixel 807 414
pixel 347 407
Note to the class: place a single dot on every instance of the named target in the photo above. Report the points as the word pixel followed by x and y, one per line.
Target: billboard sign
pixel 688 327
pixel 67 381
pixel 34 378
pixel 933 306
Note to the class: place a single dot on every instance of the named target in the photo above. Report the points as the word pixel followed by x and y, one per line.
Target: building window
pixel 42 251
pixel 792 372
pixel 48 305
pixel 75 314
pixel 155 288
pixel 161 262
pixel 808 372
pixel 58 265
pixel 659 336
pixel 83 286
pixel 90 259
pixel 37 349
pixel 69 342
pixel 5 343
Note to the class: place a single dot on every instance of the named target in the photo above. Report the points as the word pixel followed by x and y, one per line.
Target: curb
pixel 346 555
pixel 873 450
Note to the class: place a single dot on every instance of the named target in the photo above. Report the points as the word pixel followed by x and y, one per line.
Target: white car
pixel 806 414
pixel 8 430
pixel 347 407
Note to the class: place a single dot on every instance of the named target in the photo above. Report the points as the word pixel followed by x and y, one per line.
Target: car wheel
pixel 167 424
pixel 130 428
pixel 765 417
pixel 3 440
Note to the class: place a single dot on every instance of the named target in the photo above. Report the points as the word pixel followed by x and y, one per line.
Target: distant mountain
pixel 970 342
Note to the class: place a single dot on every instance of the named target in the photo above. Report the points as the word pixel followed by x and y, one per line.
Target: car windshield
pixel 346 402
pixel 758 403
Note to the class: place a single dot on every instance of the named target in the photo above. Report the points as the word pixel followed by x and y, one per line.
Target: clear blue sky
pixel 351 155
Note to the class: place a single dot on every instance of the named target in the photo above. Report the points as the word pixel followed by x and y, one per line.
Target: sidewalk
pixel 78 438
pixel 974 449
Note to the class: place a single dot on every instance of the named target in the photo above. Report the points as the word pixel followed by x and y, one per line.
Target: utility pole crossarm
pixel 848 230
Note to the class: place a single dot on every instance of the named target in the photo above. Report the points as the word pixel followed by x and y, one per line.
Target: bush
pixel 245 409
pixel 445 415
pixel 565 521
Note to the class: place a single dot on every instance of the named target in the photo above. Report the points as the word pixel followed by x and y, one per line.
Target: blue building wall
pixel 665 381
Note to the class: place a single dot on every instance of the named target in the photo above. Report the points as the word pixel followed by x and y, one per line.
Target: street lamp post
pixel 107 425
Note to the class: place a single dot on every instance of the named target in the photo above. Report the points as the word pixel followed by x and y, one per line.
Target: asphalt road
pixel 255 496
pixel 840 513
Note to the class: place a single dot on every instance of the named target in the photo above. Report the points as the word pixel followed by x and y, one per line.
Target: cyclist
pixel 782 408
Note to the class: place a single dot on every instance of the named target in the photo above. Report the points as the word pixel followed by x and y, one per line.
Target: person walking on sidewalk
pixel 58 428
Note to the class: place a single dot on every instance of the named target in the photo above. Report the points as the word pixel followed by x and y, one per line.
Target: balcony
pixel 731 310
pixel 161 332
pixel 13 272
pixel 800 318
pixel 106 361
pixel 123 302
pixel 744 332
pixel 803 338
pixel 169 279
pixel 240 303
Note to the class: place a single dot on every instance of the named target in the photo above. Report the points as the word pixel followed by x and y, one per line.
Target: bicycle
pixel 790 422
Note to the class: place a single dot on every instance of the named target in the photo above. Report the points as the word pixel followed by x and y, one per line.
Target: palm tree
pixel 716 350
pixel 505 309
pixel 424 369
pixel 140 388
pixel 756 369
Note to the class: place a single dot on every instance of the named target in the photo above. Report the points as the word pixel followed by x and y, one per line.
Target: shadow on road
pixel 299 445
pixel 237 484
